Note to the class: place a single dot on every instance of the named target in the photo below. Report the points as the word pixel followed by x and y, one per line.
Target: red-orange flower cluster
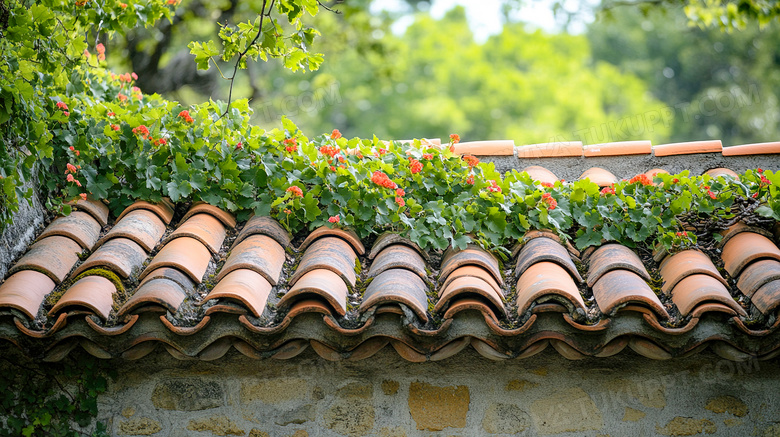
pixel 329 150
pixel 494 188
pixel 607 190
pixel 470 179
pixel 415 165
pixel 382 180
pixel 642 179
pixel 62 105
pixel 454 138
pixel 400 192
pixel 141 130
pixel 334 219
pixel 549 201
pixel 186 116
pixel 472 161
pixel 295 190
pixel 547 184
pixel 682 234
pixel 400 201
pixel 335 134
pixel 428 156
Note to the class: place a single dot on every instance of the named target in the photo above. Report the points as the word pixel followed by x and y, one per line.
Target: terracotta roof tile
pixel 619 148
pixel 97 209
pixel 541 174
pixel 328 253
pixel 160 291
pixel 753 149
pixel 245 286
pixel 475 271
pixel 612 257
pixel 544 281
pixel 709 146
pixel 677 267
pixel 186 254
pixel 599 176
pixel 618 288
pixel 93 292
pixel 321 283
pixel 767 298
pixel 204 228
pixel 469 287
pixel 398 256
pixel 259 253
pixel 757 274
pixel 472 255
pixel 697 289
pixel 457 297
pixel 25 291
pixel 162 209
pixel 545 249
pixel 745 248
pixel 259 225
pixel 347 235
pixel 549 150
pixel 120 255
pixel 390 238
pixel 397 286
pixel 227 219
pixel 54 256
pixel 142 226
pixel 485 148
pixel 717 172
pixel 78 226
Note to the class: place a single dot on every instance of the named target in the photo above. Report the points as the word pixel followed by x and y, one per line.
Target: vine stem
pixel 241 55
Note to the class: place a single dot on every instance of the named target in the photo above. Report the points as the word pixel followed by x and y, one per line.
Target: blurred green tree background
pixel 635 72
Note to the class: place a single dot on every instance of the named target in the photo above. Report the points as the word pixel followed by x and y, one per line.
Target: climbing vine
pixel 52 399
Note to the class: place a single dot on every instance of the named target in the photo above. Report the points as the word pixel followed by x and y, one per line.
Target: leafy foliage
pixel 52 399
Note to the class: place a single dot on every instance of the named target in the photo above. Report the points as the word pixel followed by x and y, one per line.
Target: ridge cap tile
pixel 599 176
pixel 472 270
pixel 471 255
pixel 389 238
pixel 618 148
pixel 540 174
pixel 486 148
pixel 688 148
pixel 550 150
pixel 757 274
pixel 469 286
pixel 769 148
pixel 767 298
pixel 697 289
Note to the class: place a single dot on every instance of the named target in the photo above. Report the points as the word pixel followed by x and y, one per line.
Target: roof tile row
pixel 621 148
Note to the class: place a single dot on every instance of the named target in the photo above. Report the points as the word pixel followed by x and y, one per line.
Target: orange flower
pixel 470 179
pixel 472 161
pixel 400 192
pixel 642 179
pixel 415 165
pixel 400 201
pixel 334 219
pixel 295 190
pixel 547 184
pixel 607 190
pixel 454 138
pixel 335 134
pixel 427 156
pixel 83 196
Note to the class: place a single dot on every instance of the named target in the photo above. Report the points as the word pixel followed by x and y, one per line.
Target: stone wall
pixel 465 395
pixel 27 223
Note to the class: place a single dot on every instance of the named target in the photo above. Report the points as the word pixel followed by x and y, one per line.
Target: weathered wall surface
pixel 465 395
pixel 16 237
